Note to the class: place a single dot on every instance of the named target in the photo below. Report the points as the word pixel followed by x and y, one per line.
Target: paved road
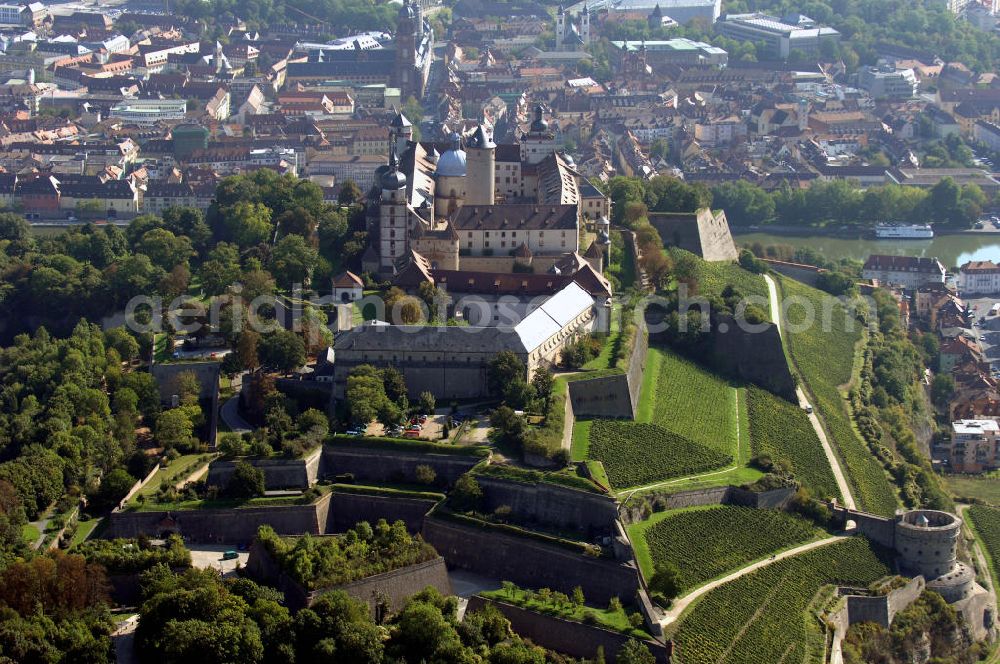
pixel 838 472
pixel 232 418
pixel 681 603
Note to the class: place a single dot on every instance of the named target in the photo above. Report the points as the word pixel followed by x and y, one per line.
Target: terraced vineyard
pixel 704 543
pixel 824 355
pixel 986 521
pixel 693 402
pixel 760 617
pixel 637 453
pixel 782 430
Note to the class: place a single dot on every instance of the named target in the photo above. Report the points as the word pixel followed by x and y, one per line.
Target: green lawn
pixel 83 531
pixel 704 543
pixel 179 468
pixel 30 533
pixel 223 503
pixel 614 620
pixel 825 356
pixel 985 523
pixel 603 360
pixel 581 439
pixel 160 354
pixel 967 487
pixel 714 277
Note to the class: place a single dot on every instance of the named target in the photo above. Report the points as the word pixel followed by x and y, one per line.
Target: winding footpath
pixel 681 603
pixel 838 472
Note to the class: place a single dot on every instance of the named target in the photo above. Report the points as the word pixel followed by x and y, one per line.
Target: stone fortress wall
pixel 566 636
pixel 616 395
pixel 278 473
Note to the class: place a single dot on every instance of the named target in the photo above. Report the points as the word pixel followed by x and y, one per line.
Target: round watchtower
pixel 927 542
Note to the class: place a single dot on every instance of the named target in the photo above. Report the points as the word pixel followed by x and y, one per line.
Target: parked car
pixel 414 427
pixel 230 555
pixel 355 432
pixel 808 409
pixel 411 434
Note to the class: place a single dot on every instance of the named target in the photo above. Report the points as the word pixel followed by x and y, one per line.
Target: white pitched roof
pixel 554 314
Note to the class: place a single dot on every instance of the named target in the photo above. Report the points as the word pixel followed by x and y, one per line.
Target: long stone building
pixel 451 361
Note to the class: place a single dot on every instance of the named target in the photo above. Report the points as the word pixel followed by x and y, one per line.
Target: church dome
pixel 452 162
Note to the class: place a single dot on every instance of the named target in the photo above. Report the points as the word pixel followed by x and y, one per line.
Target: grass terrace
pixel 177 471
pixel 704 543
pixel 614 617
pixel 568 477
pixel 305 498
pixel 407 445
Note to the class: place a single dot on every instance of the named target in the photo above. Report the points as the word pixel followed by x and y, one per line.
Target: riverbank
pixel 951 249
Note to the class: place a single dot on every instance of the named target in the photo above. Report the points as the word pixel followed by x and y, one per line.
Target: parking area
pixel 475 431
pixel 205 556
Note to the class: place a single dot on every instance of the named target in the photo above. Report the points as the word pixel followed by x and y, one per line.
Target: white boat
pixel 904 231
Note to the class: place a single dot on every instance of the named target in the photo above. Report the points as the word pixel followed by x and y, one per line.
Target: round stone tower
pixel 927 543
pixel 481 173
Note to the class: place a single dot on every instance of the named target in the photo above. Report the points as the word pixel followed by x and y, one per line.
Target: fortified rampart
pixel 807 274
pixel 566 636
pixel 347 509
pixel 550 505
pixel 926 542
pixel 334 512
pixel 704 233
pixel 393 587
pixel 278 473
pixel 221 525
pixel 751 354
pixel 879 609
pixel 390 465
pixel 531 563
pixel 637 509
pixel 616 395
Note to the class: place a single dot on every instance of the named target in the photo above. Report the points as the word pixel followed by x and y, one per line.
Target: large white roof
pixel 554 314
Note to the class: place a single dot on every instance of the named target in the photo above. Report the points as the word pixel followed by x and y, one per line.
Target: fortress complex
pixel 475 200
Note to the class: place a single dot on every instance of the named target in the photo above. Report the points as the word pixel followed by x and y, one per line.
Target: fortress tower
pixel 393 229
pixel 585 24
pixel 480 186
pixel 560 27
pixel 927 544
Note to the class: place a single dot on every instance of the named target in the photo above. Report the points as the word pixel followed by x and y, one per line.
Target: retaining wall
pixel 347 509
pixel 616 395
pixel 221 525
pixel 530 563
pixel 394 587
pixel 550 504
pixel 566 636
pixel 807 274
pixel 278 473
pixel 639 509
pixel 754 356
pixel 384 465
